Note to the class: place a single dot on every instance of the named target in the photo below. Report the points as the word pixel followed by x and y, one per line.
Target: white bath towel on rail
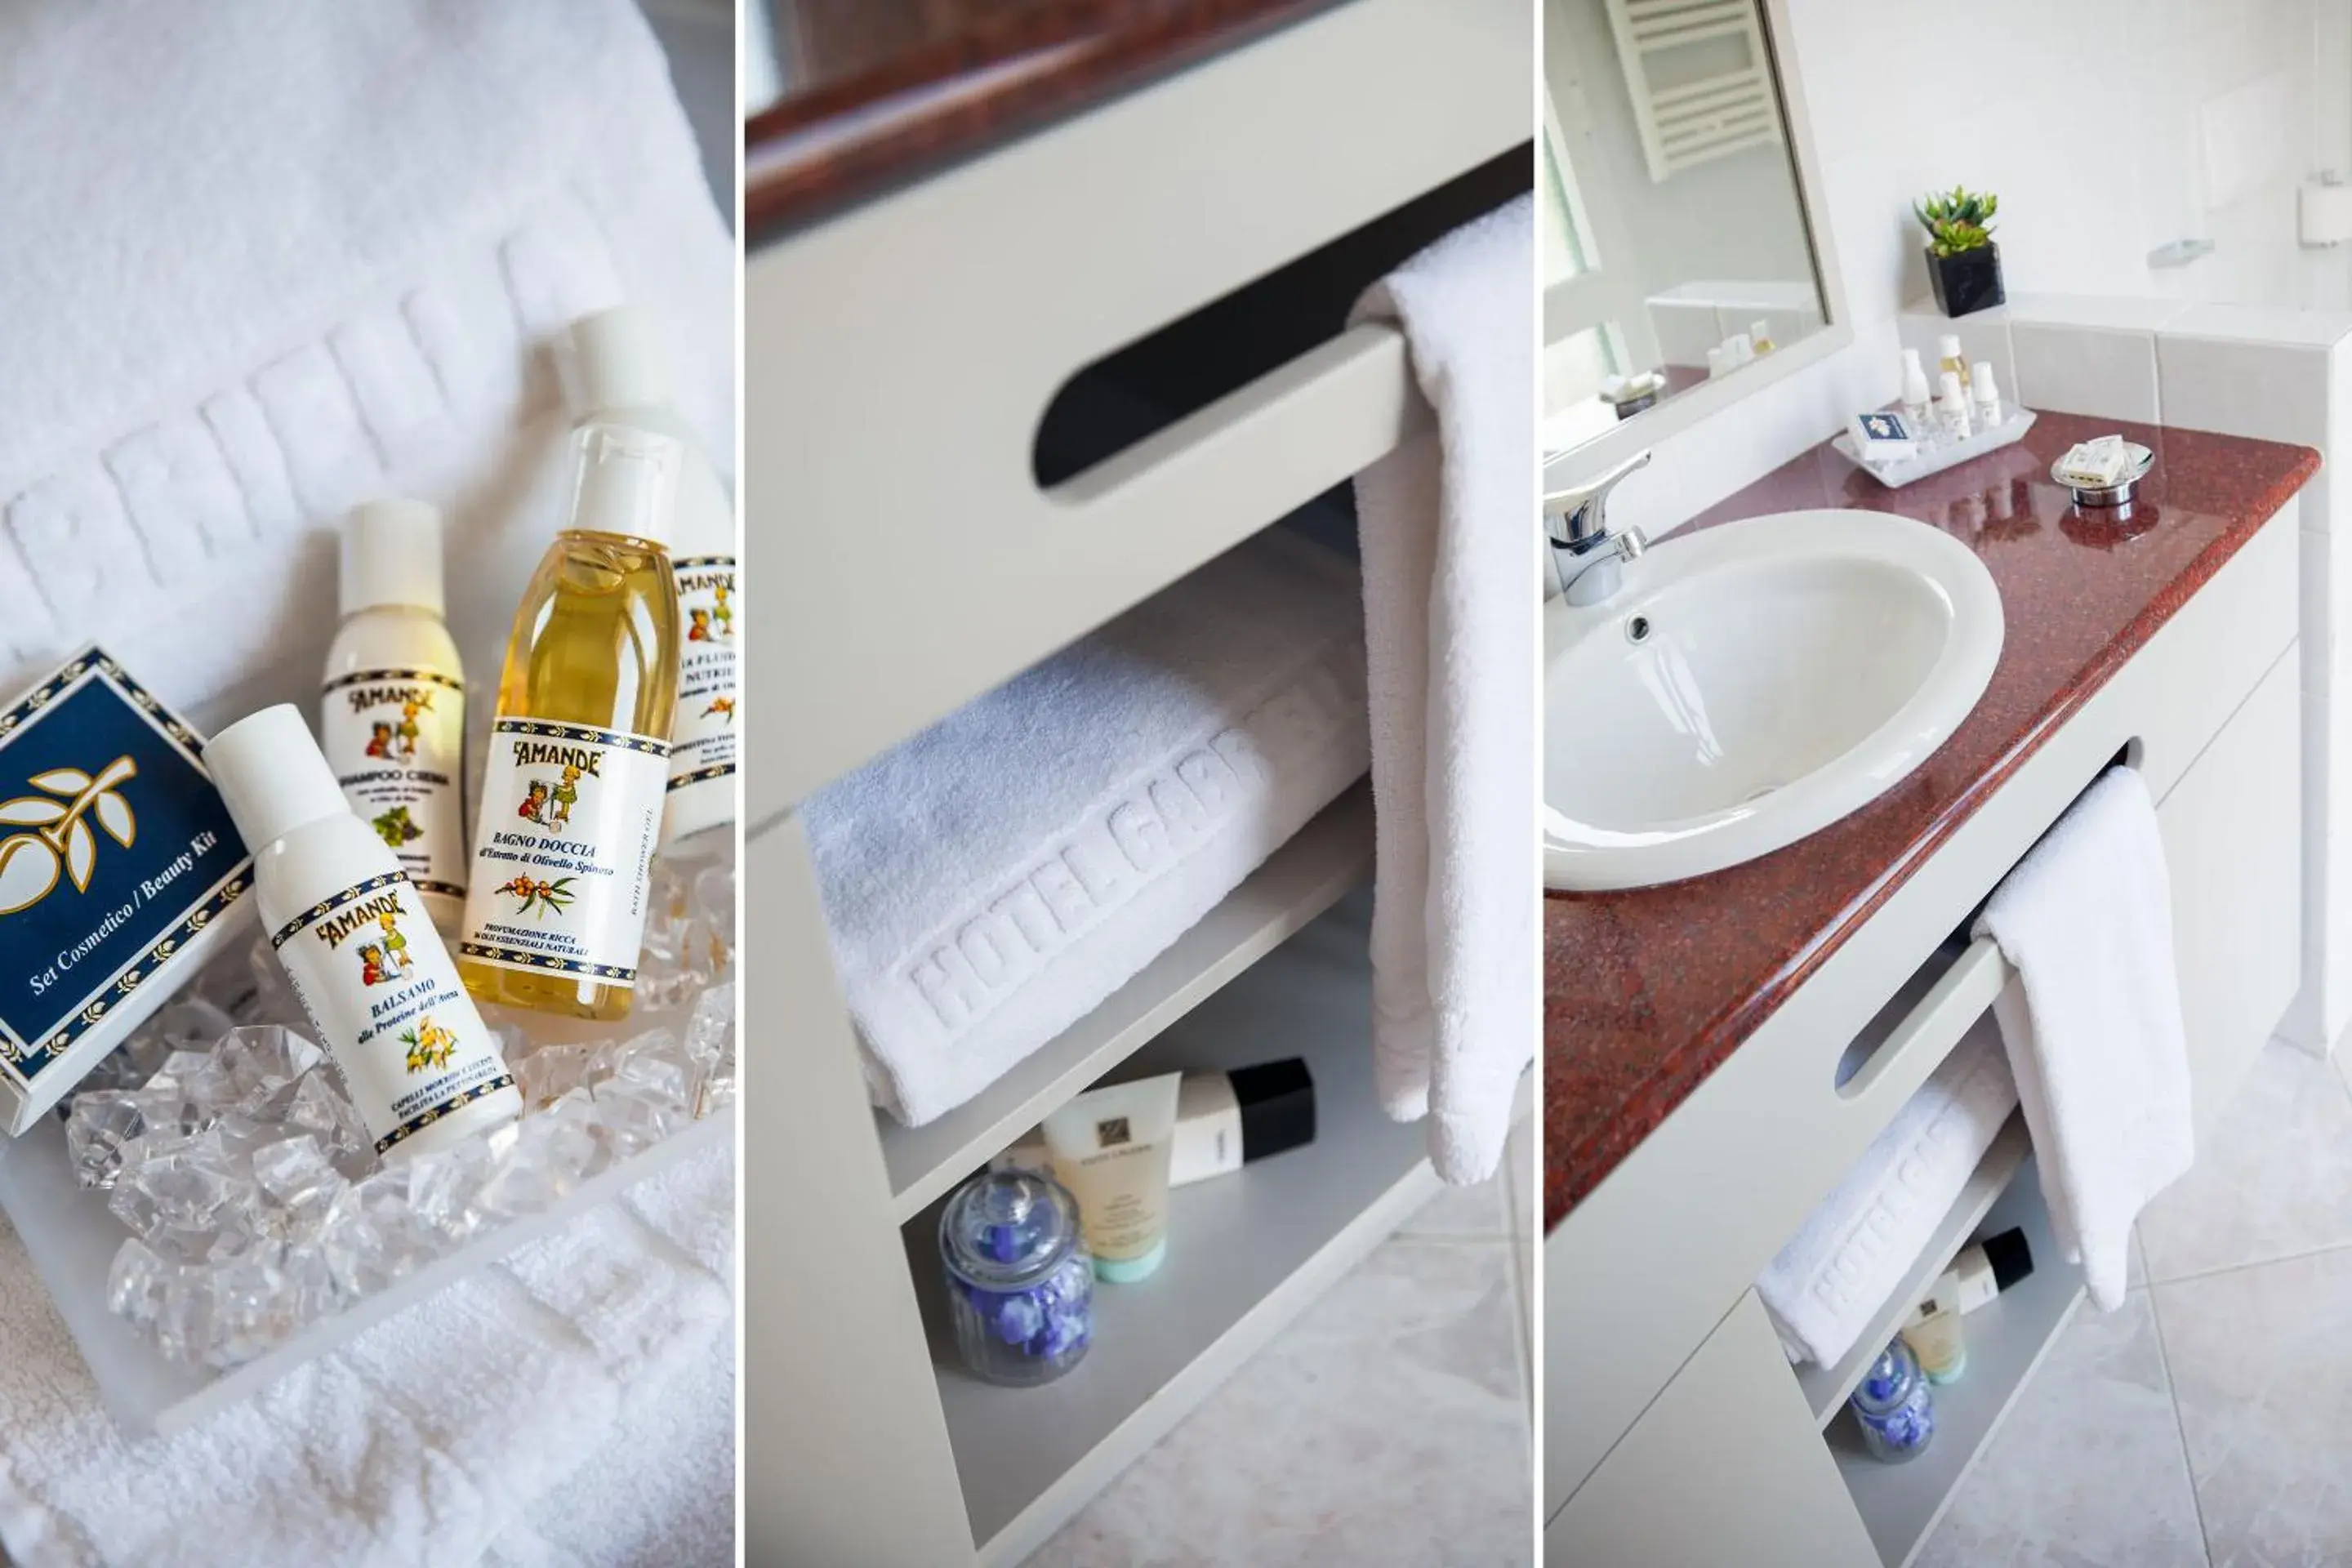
pixel 2095 1039
pixel 991 881
pixel 1449 535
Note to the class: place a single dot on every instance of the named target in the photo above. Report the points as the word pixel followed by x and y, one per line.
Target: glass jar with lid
pixel 1894 1407
pixel 1020 1280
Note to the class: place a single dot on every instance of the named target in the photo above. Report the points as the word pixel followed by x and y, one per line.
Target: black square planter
pixel 1966 282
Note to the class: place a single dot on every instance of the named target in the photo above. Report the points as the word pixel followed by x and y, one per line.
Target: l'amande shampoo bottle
pixel 391 715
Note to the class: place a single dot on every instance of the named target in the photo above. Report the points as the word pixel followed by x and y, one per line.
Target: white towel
pixel 2096 1040
pixel 1450 563
pixel 260 261
pixel 429 1439
pixel 1837 1273
pixel 988 882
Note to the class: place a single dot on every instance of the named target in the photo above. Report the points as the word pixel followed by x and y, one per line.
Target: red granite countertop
pixel 1648 991
pixel 881 91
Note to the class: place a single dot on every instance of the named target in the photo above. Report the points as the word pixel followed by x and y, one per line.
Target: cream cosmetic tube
pixel 1111 1148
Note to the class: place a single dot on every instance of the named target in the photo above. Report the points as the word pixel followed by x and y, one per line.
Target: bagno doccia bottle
pixel 614 373
pixel 392 716
pixel 353 934
pixel 574 786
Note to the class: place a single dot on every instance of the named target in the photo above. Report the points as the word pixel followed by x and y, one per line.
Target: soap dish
pixel 2118 494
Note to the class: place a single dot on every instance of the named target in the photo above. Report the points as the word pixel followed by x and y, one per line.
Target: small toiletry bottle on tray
pixel 355 937
pixel 392 706
pixel 574 788
pixel 617 373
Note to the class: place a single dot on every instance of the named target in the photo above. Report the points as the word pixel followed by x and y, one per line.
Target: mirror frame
pixel 1655 423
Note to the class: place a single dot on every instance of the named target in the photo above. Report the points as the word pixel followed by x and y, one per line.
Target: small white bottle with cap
pixel 392 717
pixel 1914 392
pixel 1984 396
pixel 614 371
pixel 353 933
pixel 1952 408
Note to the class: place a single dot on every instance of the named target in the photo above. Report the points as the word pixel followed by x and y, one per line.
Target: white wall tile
pixel 2085 370
pixel 2276 391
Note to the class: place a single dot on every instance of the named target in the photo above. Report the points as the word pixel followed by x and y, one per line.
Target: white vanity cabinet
pixel 1724 1467
pixel 1648 1277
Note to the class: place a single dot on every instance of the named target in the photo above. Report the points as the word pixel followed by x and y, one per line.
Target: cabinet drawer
pixel 899 360
pixel 1726 1470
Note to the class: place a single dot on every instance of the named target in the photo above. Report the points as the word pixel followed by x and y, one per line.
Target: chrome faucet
pixel 1590 555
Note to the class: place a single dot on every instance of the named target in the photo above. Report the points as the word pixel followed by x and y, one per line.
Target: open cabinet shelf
pixel 2006 1341
pixel 1245 1253
pixel 1826 1387
pixel 1300 880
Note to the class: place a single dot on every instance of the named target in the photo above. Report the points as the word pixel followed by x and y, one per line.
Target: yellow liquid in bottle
pixel 594 643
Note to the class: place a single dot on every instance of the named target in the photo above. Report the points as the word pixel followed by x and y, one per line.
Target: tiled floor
pixel 1389 1424
pixel 2210 1419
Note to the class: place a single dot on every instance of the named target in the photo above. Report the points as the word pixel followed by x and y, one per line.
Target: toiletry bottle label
pixel 396 740
pixel 387 1002
pixel 702 740
pixel 563 851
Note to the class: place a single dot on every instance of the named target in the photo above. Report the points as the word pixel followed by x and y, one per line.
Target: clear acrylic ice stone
pixel 101 1122
pixel 262 1058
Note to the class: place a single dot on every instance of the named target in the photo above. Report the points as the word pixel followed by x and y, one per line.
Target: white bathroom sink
pixel 1750 684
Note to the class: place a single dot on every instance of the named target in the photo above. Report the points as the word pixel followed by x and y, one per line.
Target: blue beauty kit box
pixel 120 873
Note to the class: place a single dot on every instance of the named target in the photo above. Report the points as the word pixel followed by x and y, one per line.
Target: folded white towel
pixel 2096 1040
pixel 260 261
pixel 1837 1273
pixel 989 881
pixel 427 1439
pixel 1449 549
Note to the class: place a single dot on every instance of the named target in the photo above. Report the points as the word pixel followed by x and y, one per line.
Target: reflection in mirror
pixel 1674 248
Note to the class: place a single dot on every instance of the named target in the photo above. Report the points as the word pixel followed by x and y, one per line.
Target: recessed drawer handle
pixel 1919 1045
pixel 1341 405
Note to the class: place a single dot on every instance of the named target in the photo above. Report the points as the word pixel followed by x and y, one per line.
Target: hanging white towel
pixel 1449 538
pixel 2095 1040
pixel 1832 1279
pixel 991 881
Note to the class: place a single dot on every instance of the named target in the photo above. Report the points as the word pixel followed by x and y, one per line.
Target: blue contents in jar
pixel 1020 1280
pixel 1894 1407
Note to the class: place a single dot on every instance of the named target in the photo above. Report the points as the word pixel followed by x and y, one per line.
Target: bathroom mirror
pixel 1679 259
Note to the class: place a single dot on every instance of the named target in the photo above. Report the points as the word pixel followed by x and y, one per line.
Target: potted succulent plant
pixel 1963 263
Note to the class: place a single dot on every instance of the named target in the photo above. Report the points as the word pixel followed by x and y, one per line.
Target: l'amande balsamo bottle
pixel 574 786
pixel 355 937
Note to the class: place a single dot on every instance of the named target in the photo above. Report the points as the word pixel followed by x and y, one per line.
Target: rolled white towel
pixel 990 881
pixel 1837 1272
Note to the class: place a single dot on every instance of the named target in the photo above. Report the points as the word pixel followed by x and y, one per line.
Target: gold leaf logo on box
pixel 55 841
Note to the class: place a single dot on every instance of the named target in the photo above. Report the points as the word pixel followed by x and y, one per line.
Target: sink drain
pixel 1637 629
